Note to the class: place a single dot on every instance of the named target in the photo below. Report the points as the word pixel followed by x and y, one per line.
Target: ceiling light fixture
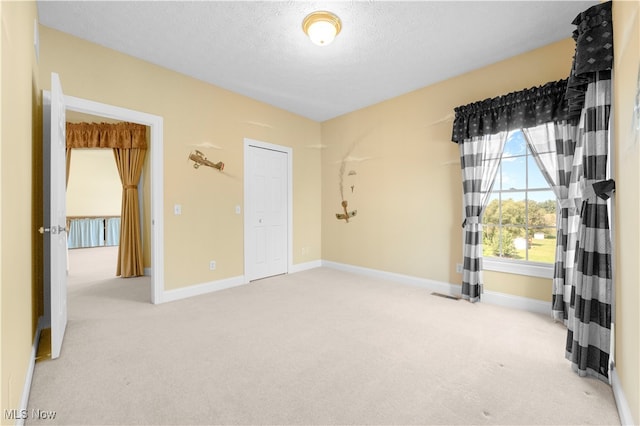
pixel 321 27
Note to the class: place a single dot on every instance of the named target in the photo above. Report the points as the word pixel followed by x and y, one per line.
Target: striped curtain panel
pixel 589 316
pixel 589 96
pixel 479 159
pixel 552 146
pixel 567 220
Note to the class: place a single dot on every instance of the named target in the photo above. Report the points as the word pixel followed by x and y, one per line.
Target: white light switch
pixel 177 209
pixel 238 209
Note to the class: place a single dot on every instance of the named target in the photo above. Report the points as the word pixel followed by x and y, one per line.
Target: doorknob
pixel 54 229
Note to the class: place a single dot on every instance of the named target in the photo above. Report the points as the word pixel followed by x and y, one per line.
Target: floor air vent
pixel 446 296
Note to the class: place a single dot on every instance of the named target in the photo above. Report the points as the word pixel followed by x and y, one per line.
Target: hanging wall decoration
pixel 347 214
pixel 349 181
pixel 199 159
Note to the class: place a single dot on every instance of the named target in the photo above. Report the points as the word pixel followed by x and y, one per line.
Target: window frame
pixel 519 267
pixel 514 266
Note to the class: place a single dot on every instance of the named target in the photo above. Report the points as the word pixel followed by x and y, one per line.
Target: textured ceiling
pixel 258 49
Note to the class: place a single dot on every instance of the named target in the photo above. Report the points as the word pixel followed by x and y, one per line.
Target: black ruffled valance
pixel 594 51
pixel 517 110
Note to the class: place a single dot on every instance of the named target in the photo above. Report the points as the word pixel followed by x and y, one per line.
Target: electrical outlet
pixel 212 265
pixel 459 268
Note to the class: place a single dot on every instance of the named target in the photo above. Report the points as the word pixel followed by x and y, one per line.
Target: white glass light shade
pixel 322 32
pixel 321 27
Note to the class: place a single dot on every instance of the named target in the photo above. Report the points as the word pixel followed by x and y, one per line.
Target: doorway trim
pixel 247 173
pixel 155 124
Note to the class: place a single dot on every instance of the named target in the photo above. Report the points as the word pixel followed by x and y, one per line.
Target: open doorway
pixel 152 182
pixel 94 204
pixel 55 294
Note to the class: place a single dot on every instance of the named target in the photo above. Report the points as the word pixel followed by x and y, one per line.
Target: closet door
pixel 266 213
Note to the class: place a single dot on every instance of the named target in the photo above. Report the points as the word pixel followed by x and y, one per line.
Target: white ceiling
pixel 258 49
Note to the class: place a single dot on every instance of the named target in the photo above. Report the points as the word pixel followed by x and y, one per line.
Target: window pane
pixel 514 173
pixel 513 208
pixel 491 241
pixel 542 250
pixel 492 212
pixel 514 243
pixel 515 145
pixel 542 209
pixel 542 227
pixel 536 179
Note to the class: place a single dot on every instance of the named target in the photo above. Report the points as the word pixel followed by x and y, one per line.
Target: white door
pixel 55 235
pixel 266 212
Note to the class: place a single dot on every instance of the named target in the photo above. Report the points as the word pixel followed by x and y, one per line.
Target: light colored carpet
pixel 91 265
pixel 315 347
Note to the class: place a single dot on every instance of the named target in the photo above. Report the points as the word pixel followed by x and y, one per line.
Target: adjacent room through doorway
pixel 94 204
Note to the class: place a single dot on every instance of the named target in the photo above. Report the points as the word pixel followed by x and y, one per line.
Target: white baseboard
pixel 204 288
pixel 299 267
pixel 517 302
pixel 439 286
pixel 624 411
pixel 147 272
pixel 494 298
pixel 199 289
pixel 26 390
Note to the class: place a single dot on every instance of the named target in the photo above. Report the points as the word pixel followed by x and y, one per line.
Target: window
pixel 519 223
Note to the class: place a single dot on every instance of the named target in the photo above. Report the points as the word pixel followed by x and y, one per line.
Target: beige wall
pixel 194 113
pixel 18 239
pixel 408 189
pixel 94 187
pixel 626 148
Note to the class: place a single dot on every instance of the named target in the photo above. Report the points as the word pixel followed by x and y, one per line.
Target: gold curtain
pixel 67 154
pixel 129 144
pixel 105 135
pixel 130 162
